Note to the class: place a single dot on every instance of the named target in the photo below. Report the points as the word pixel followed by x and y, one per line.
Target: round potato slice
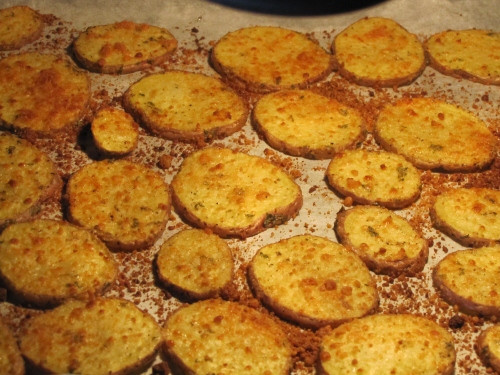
pixel 184 106
pixel 386 242
pixel 269 58
pixel 436 135
pixel 113 198
pixel 488 347
pixel 11 361
pixel 376 51
pixel 472 54
pixel 101 337
pixel 115 131
pixel 234 194
pixel 471 216
pixel 220 337
pixel 45 262
pixel 388 344
pixel 312 281
pixel 41 95
pixel 302 123
pixel 19 25
pixel 123 47
pixel 469 279
pixel 375 177
pixel 195 264
pixel 28 178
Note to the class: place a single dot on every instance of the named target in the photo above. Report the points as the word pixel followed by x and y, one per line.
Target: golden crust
pixel 436 135
pixel 488 348
pixel 59 261
pixel 312 281
pixel 195 264
pixel 376 51
pixel 386 242
pixel 11 361
pixel 469 216
pixel 267 58
pixel 375 177
pixel 184 106
pixel 234 194
pixel 112 198
pixel 387 344
pixel 28 178
pixel 19 25
pixel 58 98
pixel 220 337
pixel 471 54
pixel 115 132
pixel 469 279
pixel 123 47
pixel 100 337
pixel 302 123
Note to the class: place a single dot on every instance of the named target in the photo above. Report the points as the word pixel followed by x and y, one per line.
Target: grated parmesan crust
pixel 471 216
pixel 42 95
pixel 375 177
pixel 388 344
pixel 379 52
pixel 100 337
pixel 312 281
pixel 45 262
pixel 19 25
pixel 234 194
pixel 220 337
pixel 473 54
pixel 113 199
pixel 28 178
pixel 195 264
pixel 303 123
pixel 115 132
pixel 269 58
pixel 11 361
pixel 469 279
pixel 123 47
pixel 436 135
pixel 184 106
pixel 386 242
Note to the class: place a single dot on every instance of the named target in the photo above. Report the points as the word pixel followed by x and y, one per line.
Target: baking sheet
pixel 197 25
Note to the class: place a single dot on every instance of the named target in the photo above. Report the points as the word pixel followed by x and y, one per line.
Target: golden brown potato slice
pixel 312 281
pixel 375 177
pixel 469 279
pixel 113 198
pixel 45 262
pixel 195 263
pixel 388 344
pixel 219 337
pixel 11 361
pixel 303 123
pixel 379 52
pixel 269 58
pixel 115 131
pixel 471 216
pixel 101 337
pixel 437 135
pixel 472 54
pixel 28 178
pixel 123 47
pixel 19 25
pixel 184 106
pixel 42 94
pixel 386 242
pixel 233 193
